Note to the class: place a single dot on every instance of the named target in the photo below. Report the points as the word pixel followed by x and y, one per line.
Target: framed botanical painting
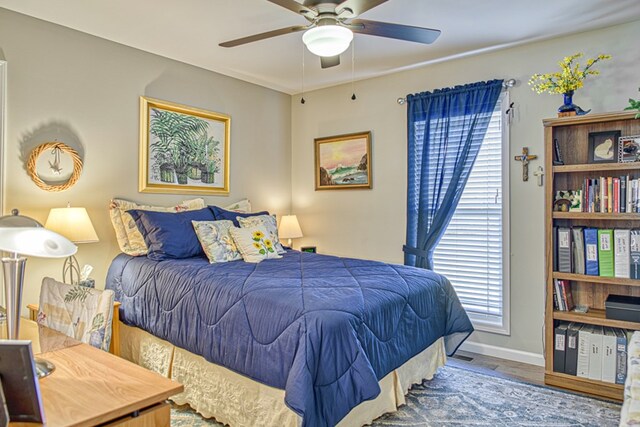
pixel 183 149
pixel 603 146
pixel 343 161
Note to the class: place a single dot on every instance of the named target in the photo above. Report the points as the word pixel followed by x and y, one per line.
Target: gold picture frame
pixel 183 150
pixel 343 162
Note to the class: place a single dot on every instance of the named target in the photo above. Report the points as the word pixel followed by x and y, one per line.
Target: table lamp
pixel 20 236
pixel 289 228
pixel 75 225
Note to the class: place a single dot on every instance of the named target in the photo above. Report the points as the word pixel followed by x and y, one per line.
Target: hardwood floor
pixel 498 367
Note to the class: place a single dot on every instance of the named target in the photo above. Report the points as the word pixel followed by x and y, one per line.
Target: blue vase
pixel 568 103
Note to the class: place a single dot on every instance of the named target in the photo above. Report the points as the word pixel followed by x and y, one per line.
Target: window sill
pixel 490 327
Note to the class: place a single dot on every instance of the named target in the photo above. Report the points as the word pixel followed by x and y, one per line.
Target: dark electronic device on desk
pixel 310 249
pixel 20 382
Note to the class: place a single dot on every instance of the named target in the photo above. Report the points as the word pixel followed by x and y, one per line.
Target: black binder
pixel 560 347
pixel 571 357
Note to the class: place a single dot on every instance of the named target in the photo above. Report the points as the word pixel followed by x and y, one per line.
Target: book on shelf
pixel 590 351
pixel 584 349
pixel 559 347
pixel 607 194
pixel 605 252
pixel 609 359
pixel 597 252
pixel 577 239
pixel 634 254
pixel 595 355
pixel 563 295
pixel 621 254
pixel 621 356
pixel 564 249
pixel 571 355
pixel 591 251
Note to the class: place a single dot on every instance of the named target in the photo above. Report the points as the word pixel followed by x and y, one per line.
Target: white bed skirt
pixel 233 399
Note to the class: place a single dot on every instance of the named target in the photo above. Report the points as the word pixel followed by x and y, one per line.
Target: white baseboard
pixel 503 353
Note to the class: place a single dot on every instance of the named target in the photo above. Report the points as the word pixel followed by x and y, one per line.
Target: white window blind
pixel 470 254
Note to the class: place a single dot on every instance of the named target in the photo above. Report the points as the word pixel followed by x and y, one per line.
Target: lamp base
pixel 44 367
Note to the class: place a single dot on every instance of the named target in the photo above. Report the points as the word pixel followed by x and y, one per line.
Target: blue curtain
pixel 445 131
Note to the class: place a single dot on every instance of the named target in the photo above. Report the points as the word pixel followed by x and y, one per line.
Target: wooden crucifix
pixel 525 158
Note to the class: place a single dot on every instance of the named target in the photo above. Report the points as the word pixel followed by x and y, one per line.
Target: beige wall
pixel 84 91
pixel 371 223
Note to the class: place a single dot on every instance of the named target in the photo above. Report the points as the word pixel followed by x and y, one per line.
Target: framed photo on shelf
pixel 343 161
pixel 603 146
pixel 629 149
pixel 183 150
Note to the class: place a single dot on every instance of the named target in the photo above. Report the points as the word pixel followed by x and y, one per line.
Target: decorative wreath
pixel 56 148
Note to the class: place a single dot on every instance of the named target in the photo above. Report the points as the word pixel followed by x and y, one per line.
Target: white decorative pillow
pixel 266 221
pixel 243 206
pixel 129 238
pixel 216 241
pixel 253 243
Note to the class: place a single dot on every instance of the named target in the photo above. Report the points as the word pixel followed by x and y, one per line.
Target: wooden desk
pixel 91 387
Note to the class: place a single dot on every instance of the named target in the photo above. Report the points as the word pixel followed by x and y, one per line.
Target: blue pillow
pixel 221 214
pixel 170 235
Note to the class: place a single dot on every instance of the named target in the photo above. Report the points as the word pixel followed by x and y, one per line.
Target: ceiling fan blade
pixel 262 36
pixel 394 31
pixel 358 6
pixel 296 7
pixel 329 61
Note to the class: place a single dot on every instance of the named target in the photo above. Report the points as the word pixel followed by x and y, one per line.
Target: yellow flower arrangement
pixel 569 78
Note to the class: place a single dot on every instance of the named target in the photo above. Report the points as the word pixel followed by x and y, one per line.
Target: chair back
pixel 77 311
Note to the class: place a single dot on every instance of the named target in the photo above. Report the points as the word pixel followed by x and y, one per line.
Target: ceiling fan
pixel 332 24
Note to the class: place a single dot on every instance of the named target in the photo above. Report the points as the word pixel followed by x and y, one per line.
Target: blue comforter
pixel 324 329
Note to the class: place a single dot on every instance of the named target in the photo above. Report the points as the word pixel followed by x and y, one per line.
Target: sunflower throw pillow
pixel 254 243
pixel 269 223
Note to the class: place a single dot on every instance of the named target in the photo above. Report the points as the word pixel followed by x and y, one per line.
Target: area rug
pixel 461 397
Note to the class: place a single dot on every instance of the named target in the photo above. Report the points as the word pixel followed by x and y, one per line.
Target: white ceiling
pixel 190 30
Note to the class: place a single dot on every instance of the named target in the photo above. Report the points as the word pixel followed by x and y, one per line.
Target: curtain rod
pixel 505 85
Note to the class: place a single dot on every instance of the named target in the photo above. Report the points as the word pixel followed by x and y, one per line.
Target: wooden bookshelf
pixel 584 385
pixel 596 279
pixel 594 317
pixel 597 215
pixel 572 134
pixel 604 167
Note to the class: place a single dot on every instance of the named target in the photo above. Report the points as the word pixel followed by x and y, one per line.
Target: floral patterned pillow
pixel 269 223
pixel 254 243
pixel 216 241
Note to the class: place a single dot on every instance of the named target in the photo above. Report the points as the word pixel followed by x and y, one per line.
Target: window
pixel 474 251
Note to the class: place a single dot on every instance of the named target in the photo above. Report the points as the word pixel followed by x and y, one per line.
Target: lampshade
pixel 73 223
pixel 289 227
pixel 327 40
pixel 23 235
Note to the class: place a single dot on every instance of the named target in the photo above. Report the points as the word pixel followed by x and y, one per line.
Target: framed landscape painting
pixel 343 161
pixel 183 150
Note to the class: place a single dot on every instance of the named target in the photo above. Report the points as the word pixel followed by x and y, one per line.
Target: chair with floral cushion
pixel 82 313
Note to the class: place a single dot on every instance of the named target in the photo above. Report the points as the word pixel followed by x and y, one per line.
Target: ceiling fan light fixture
pixel 327 40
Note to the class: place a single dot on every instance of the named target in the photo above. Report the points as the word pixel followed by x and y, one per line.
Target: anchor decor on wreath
pixel 525 158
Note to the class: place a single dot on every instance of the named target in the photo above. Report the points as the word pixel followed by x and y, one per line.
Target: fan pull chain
pixel 302 101
pixel 353 67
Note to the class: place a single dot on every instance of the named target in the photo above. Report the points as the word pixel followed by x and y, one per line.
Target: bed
pixel 323 332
